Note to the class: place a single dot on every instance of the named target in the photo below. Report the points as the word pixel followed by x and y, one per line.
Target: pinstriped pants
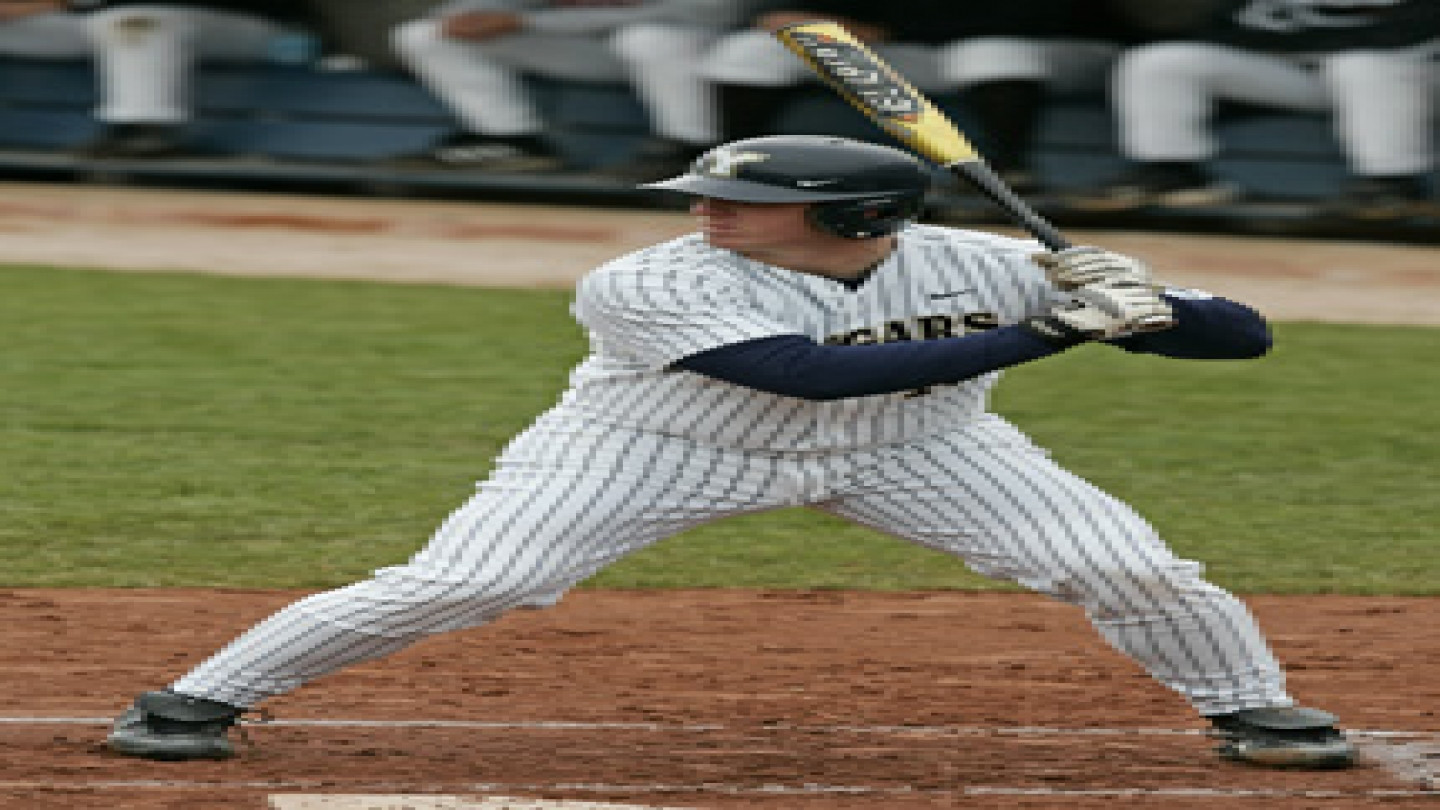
pixel 568 499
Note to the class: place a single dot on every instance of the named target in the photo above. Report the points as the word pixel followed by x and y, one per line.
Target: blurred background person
pixel 41 29
pixel 146 54
pixel 474 54
pixel 1004 59
pixel 1370 63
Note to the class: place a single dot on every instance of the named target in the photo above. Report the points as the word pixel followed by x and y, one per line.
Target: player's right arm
pixel 796 366
pixel 663 310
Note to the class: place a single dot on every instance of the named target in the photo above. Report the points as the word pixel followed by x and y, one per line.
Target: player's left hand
pixel 1077 267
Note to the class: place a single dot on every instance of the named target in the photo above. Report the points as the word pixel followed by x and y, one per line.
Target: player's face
pixel 751 228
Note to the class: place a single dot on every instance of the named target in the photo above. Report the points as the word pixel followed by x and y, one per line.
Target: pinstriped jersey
pixel 650 308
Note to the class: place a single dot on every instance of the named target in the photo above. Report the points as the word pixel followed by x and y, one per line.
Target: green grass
pixel 188 430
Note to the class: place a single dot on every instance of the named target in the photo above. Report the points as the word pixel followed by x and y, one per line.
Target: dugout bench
pixel 306 128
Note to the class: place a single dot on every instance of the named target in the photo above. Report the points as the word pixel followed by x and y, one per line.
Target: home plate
pixel 400 801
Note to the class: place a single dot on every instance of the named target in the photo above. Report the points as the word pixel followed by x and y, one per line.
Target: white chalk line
pixel 700 728
pixel 702 788
pixel 1411 756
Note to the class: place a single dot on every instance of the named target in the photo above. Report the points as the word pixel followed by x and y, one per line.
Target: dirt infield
pixel 719 699
pixel 550 246
pixel 706 699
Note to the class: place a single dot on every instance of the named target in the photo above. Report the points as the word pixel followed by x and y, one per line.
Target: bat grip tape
pixel 983 178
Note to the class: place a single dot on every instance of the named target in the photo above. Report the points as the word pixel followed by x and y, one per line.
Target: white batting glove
pixel 1102 310
pixel 1076 267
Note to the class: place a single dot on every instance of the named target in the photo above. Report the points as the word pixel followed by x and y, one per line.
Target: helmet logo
pixel 725 163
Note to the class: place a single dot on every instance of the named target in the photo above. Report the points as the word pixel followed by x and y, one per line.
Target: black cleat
pixel 1292 737
pixel 170 726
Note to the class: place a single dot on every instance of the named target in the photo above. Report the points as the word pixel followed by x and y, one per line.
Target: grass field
pixel 165 430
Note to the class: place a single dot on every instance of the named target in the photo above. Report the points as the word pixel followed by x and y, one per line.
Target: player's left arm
pixel 1207 327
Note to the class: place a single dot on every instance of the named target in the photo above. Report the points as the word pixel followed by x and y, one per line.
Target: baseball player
pixel 40 29
pixel 473 55
pixel 1371 65
pixel 146 53
pixel 809 346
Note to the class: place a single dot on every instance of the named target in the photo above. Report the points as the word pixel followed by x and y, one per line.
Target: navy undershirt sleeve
pixel 795 366
pixel 1208 328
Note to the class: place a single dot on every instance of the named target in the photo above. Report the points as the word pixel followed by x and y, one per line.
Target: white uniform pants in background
pixel 1383 102
pixel 568 498
pixel 481 82
pixel 146 56
pixel 45 36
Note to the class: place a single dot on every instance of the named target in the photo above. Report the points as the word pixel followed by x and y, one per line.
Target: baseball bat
pixel 862 78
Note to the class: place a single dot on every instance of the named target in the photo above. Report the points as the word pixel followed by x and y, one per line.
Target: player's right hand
pixel 1102 310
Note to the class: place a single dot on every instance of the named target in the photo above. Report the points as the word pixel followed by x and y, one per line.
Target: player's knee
pixel 1354 73
pixel 1119 583
pixel 751 58
pixel 415 36
pixel 127 25
pixel 655 42
pixel 481 594
pixel 1164 62
pixel 1142 586
pixel 989 59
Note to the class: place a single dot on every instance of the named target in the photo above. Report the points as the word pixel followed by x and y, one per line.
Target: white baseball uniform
pixel 650 44
pixel 46 35
pixel 637 451
pixel 1383 97
pixel 757 58
pixel 146 54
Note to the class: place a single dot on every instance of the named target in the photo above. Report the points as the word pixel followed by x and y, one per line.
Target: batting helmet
pixel 859 190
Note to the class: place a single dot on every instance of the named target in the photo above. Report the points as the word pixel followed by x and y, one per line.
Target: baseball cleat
pixel 170 726
pixel 1291 737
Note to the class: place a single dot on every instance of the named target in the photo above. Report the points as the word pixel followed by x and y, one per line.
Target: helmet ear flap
pixel 866 218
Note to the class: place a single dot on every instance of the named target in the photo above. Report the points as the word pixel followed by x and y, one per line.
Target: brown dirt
pixel 549 246
pixel 730 693
pixel 712 699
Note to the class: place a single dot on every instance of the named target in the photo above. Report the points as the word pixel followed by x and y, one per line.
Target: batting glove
pixel 1103 310
pixel 1076 267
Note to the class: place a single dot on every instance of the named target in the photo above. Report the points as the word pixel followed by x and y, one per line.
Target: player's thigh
pixel 1407 71
pixel 576 58
pixel 753 58
pixel 1011 513
pixel 207 33
pixel 49 36
pixel 989 59
pixel 1221 72
pixel 660 46
pixel 567 499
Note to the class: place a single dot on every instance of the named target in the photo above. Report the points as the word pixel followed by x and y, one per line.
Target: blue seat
pixel 309 116
pixel 282 91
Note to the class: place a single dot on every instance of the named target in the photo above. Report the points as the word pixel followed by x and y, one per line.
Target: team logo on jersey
pixel 925 327
pixel 725 162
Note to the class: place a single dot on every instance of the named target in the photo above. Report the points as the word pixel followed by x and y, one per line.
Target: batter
pixel 809 346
